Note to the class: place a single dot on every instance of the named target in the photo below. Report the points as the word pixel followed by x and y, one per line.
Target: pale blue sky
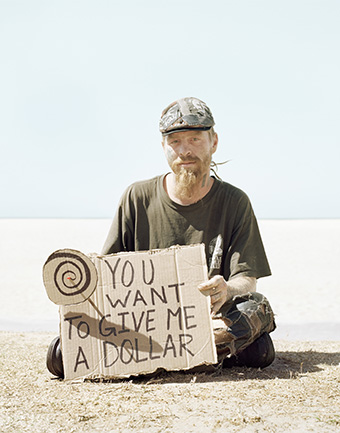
pixel 83 83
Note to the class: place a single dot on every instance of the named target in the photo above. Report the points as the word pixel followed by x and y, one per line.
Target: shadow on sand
pixel 287 365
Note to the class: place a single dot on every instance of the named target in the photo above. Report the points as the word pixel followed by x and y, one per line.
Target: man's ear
pixel 215 142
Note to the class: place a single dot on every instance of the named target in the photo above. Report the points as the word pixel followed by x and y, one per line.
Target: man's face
pixel 190 151
pixel 189 156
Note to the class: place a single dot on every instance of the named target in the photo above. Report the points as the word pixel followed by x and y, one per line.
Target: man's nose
pixel 184 150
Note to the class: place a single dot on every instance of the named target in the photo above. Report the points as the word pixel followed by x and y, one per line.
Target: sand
pixel 299 392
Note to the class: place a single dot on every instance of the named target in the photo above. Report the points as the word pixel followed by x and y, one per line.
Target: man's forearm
pixel 240 286
pixel 221 291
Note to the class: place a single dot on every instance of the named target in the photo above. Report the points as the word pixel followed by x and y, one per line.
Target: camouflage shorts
pixel 240 321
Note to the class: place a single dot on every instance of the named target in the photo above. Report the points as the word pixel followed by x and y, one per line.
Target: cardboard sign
pixel 146 313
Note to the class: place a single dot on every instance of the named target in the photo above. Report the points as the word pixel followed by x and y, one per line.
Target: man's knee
pixel 247 317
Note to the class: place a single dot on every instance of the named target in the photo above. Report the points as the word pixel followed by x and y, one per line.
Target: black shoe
pixel 54 359
pixel 259 354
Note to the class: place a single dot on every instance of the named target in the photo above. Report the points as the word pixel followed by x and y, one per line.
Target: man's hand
pixel 221 291
pixel 218 290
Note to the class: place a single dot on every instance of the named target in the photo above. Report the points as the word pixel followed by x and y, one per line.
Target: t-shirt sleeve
pixel 120 237
pixel 246 255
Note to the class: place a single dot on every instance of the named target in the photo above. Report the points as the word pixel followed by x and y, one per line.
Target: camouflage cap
pixel 186 114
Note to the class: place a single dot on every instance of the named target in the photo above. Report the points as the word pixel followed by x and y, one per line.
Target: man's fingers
pixel 216 288
pixel 217 300
pixel 215 297
pixel 210 292
pixel 205 287
pixel 215 307
pixel 210 284
pixel 207 290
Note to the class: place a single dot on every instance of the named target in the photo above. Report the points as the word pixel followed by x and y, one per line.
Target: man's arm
pixel 221 290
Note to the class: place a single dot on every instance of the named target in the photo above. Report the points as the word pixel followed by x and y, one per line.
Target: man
pixel 188 206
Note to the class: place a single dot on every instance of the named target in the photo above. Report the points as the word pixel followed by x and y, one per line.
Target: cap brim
pixel 199 128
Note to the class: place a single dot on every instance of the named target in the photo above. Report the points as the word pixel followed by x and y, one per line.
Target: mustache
pixel 185 159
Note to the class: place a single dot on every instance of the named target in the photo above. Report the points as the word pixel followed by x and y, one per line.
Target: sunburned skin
pixel 168 154
pixel 189 156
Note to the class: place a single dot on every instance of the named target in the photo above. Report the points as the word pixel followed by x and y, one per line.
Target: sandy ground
pixel 299 392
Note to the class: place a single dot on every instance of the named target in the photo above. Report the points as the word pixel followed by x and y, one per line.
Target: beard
pixel 189 180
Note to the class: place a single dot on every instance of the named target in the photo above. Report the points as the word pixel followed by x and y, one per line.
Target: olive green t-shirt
pixel 223 220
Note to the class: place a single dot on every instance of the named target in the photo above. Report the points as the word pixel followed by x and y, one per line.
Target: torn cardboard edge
pixel 145 314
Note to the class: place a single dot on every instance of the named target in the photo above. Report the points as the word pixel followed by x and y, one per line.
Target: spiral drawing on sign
pixel 69 276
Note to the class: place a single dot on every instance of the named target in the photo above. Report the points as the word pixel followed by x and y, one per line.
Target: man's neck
pixel 203 187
